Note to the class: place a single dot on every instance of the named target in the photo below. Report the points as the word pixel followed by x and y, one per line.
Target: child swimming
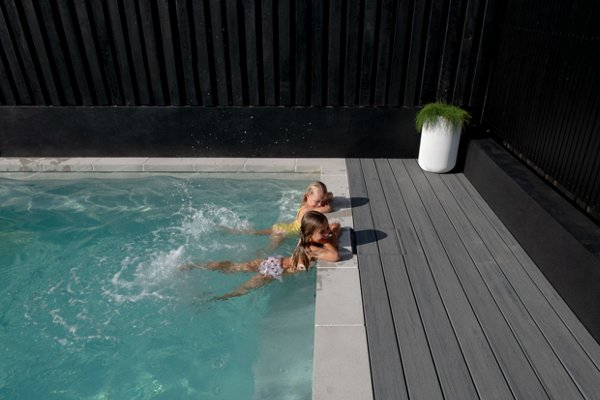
pixel 315 198
pixel 318 241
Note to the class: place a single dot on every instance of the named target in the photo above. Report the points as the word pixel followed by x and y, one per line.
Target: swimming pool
pixel 93 306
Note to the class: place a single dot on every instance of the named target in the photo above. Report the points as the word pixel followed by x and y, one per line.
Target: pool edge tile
pixel 167 164
pixel 340 297
pixel 270 165
pixel 341 364
pixel 211 164
pixel 120 164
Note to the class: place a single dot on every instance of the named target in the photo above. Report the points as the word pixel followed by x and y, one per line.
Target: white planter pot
pixel 439 146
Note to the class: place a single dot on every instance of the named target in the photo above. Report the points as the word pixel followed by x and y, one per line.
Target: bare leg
pixel 235 231
pixel 224 266
pixel 275 241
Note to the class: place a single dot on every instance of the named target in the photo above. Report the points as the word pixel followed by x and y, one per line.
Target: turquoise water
pixel 94 307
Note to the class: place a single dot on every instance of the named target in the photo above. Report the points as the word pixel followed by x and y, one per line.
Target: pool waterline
pixel 341 365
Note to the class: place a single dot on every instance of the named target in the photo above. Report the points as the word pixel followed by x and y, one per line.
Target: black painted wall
pixel 543 100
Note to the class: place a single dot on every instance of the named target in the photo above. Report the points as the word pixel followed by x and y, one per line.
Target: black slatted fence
pixel 543 100
pixel 243 52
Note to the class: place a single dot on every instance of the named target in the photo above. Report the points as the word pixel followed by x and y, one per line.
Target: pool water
pixel 94 307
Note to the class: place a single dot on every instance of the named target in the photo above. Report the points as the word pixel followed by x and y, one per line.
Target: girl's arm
pixel 256 281
pixel 324 209
pixel 328 252
pixel 335 233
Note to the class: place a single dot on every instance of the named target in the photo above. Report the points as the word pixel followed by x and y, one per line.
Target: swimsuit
pixel 287 229
pixel 273 267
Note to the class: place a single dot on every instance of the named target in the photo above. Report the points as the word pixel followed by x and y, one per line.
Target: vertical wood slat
pixel 431 62
pixel 155 81
pixel 301 46
pixel 251 52
pixel 450 50
pixel 581 123
pixel 107 59
pixel 137 56
pixel 412 73
pixel 127 78
pixel 67 20
pixel 582 174
pixel 7 96
pixel 91 57
pixel 40 52
pixel 268 61
pixel 484 52
pixel 202 55
pixel 11 58
pixel 56 52
pixel 235 63
pixel 388 11
pixel 168 53
pixel 465 43
pixel 316 52
pixel 284 36
pixel 351 52
pixel 334 70
pixel 368 53
pixel 185 47
pixel 22 47
pixel 398 68
pixel 572 95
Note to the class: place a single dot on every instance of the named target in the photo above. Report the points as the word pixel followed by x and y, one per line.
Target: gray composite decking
pixel 454 308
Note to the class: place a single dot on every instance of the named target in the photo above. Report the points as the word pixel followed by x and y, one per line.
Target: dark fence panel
pixel 543 100
pixel 243 52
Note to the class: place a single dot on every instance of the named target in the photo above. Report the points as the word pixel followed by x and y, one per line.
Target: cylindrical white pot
pixel 439 146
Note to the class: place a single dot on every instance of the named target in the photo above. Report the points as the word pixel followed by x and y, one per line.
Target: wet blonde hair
pixel 311 222
pixel 317 185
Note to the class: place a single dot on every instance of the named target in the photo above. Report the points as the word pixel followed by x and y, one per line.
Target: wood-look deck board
pixel 575 326
pixel 386 367
pixel 419 369
pixel 453 306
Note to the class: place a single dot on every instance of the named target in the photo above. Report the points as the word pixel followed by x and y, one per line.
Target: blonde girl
pixel 318 241
pixel 315 198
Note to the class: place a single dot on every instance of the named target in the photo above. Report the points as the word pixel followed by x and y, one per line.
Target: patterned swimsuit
pixel 273 267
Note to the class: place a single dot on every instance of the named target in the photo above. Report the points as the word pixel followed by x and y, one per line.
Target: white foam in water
pixel 211 217
pixel 288 205
pixel 150 279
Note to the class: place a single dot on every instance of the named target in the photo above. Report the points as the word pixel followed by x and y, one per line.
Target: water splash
pixel 151 278
pixel 209 218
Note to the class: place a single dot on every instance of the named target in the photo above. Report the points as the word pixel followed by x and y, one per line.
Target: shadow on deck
pixel 454 307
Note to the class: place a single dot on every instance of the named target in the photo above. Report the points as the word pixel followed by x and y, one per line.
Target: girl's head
pixel 314 229
pixel 316 195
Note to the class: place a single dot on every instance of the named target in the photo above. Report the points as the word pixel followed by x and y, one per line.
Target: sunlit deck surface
pixel 454 308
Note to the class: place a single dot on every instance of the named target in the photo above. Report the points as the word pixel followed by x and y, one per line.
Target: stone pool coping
pixel 341 367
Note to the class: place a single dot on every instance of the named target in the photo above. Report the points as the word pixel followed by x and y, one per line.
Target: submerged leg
pixel 224 266
pixel 236 231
